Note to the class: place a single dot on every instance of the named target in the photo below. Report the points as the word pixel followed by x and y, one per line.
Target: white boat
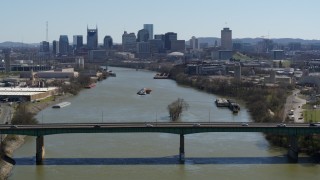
pixel 61 105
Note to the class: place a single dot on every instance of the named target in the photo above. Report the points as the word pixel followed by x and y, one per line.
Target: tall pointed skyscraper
pixel 92 38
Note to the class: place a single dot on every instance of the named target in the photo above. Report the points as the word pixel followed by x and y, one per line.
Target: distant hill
pixel 211 40
pixel 9 44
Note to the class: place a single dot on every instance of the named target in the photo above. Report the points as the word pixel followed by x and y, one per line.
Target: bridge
pixel 180 128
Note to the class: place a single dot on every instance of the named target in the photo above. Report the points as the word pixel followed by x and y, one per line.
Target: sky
pixel 25 20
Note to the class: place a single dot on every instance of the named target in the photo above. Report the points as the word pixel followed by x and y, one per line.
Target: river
pixel 148 156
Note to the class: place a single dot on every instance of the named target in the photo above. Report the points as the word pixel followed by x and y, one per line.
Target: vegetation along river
pixel 148 156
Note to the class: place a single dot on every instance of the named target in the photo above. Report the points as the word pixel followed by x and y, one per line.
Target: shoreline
pixel 12 144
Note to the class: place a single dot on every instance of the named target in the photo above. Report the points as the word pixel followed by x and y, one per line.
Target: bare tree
pixel 176 108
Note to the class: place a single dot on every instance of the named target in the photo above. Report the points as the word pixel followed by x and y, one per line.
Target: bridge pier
pixel 181 149
pixel 293 149
pixel 39 150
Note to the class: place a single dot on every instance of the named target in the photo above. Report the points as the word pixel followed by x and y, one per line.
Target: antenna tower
pixel 47 39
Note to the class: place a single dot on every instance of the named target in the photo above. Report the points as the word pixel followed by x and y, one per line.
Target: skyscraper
pixel 194 43
pixel 168 37
pixel 77 41
pixel 44 47
pixel 63 45
pixel 129 43
pixel 92 38
pixel 226 39
pixel 55 47
pixel 149 28
pixel 107 42
pixel 143 35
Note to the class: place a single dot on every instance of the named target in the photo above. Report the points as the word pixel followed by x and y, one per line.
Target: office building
pixel 55 47
pixel 129 43
pixel 143 35
pixel 178 45
pixel 7 59
pixel 63 45
pixel 168 37
pixel 77 42
pixel 92 38
pixel 226 39
pixel 156 46
pixel 278 54
pixel 194 43
pixel 149 28
pixel 44 49
pixel 143 49
pixel 107 42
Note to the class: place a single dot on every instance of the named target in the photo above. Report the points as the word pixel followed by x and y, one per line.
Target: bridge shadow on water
pixel 171 160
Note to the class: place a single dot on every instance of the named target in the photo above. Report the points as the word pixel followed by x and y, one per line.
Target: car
pixel 196 125
pixel 96 126
pixel 244 124
pixel 315 124
pixel 149 125
pixel 281 125
pixel 13 126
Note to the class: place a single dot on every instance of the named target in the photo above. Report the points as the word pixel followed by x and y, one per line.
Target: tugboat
pixel 144 91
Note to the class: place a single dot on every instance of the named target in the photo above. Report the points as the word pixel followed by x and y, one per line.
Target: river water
pixel 148 156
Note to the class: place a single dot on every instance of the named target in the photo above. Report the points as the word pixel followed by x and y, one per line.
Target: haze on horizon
pixel 25 21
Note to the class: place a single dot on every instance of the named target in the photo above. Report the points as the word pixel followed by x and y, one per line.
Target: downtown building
pixel 226 39
pixel 143 35
pixel 92 38
pixel 168 38
pixel 44 49
pixel 77 42
pixel 149 28
pixel 63 45
pixel 107 42
pixel 129 43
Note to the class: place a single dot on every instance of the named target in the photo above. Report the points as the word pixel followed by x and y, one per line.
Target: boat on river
pixel 91 86
pixel 61 105
pixel 144 91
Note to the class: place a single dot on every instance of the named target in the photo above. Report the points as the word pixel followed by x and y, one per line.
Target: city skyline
pixel 25 21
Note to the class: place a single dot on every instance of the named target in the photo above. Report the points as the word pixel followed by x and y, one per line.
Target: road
pixel 294 102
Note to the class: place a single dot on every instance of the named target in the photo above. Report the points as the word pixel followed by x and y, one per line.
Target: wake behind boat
pixel 61 105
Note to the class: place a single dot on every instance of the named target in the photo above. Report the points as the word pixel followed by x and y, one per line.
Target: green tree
pixel 176 108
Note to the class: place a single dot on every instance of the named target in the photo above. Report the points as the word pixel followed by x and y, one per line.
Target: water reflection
pixel 162 161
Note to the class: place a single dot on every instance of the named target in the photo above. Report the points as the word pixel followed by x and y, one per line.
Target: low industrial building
pixel 26 94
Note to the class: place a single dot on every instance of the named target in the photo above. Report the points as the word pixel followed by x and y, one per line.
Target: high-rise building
pixel 77 41
pixel 7 59
pixel 107 42
pixel 44 48
pixel 63 45
pixel 143 35
pixel 168 37
pixel 149 28
pixel 92 38
pixel 194 43
pixel 129 43
pixel 226 39
pixel 55 47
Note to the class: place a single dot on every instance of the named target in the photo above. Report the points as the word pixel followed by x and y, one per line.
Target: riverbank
pixel 13 142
